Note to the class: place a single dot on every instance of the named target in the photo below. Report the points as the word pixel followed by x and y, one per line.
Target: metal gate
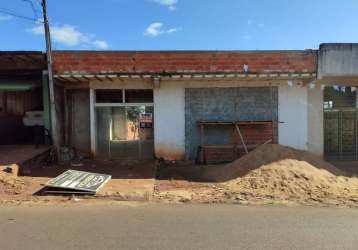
pixel 340 134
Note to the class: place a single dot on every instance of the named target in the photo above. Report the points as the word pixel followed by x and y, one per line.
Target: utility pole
pixel 51 87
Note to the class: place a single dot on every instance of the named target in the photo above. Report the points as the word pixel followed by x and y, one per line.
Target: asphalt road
pixel 177 227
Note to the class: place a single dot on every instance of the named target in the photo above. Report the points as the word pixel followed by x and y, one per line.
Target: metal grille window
pixel 340 124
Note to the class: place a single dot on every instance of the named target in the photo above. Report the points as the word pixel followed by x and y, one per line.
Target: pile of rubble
pixel 11 185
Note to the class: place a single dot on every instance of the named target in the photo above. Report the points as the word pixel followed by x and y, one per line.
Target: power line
pixel 35 10
pixel 12 13
pixel 33 7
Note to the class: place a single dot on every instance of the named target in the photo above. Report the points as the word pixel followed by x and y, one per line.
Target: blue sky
pixel 181 24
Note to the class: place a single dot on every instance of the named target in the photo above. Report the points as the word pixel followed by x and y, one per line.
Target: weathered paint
pixel 169 127
pixel 92 122
pixel 292 114
pixel 337 60
pixel 169 113
pixel 80 120
pixel 169 151
pixel 315 121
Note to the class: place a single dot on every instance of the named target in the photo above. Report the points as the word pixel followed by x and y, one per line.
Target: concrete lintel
pixel 112 77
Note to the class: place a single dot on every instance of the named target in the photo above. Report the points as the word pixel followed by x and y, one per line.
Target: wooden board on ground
pixel 77 182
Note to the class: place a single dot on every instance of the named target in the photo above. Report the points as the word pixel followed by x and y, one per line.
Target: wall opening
pixel 14 106
pixel 124 124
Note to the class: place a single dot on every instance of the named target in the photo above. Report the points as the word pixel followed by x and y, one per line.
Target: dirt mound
pixel 295 180
pixel 270 154
pixel 10 185
pixel 270 174
pixel 283 173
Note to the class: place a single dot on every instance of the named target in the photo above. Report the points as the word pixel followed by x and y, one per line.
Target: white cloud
pixel 247 37
pixel 38 30
pixel 100 44
pixel 172 30
pixel 171 4
pixel 5 17
pixel 70 36
pixel 156 29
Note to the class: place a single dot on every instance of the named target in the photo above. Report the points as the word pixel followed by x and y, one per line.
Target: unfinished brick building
pixel 208 106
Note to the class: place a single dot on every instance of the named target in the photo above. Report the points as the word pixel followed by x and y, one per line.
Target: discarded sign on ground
pixel 77 182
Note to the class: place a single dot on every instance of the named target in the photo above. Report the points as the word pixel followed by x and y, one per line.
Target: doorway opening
pixel 124 124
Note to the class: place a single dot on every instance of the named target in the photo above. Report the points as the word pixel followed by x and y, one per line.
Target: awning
pixel 80 77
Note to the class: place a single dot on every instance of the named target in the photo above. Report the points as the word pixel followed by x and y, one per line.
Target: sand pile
pixel 283 173
pixel 271 174
pixel 10 185
pixel 295 180
pixel 270 154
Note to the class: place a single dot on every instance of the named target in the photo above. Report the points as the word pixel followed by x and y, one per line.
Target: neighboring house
pixel 21 90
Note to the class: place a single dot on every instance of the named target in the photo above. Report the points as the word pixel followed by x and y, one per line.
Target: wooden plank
pixel 241 138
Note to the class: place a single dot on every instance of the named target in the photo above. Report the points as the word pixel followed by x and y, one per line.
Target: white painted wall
pixel 169 114
pixel 292 115
pixel 315 121
pixel 300 109
pixel 169 121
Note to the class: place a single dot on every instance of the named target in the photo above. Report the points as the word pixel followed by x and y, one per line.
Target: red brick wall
pixel 253 135
pixel 177 62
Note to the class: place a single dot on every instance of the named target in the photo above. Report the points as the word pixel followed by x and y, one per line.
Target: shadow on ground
pixel 274 155
pixel 117 169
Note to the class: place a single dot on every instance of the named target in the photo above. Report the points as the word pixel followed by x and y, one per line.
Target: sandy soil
pixel 131 181
pixel 270 174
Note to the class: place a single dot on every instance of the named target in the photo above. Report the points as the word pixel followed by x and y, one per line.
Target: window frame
pixel 123 103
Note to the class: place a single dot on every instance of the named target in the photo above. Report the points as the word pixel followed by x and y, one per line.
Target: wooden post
pixel 46 105
pixel 54 132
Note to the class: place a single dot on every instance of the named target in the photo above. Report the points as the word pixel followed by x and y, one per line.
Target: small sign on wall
pixel 146 120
